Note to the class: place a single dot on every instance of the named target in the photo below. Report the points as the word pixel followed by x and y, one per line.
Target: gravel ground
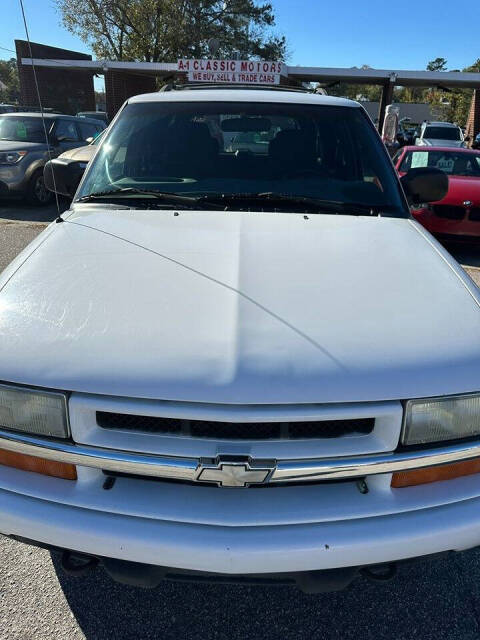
pixel 14 236
pixel 437 599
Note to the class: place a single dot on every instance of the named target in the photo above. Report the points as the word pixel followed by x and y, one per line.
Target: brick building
pixel 473 121
pixel 71 90
pixel 63 90
pixel 120 85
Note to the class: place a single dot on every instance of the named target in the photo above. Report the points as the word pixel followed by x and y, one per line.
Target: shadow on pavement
pixel 20 211
pixel 431 599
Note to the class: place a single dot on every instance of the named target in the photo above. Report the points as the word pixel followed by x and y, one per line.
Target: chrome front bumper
pixel 189 469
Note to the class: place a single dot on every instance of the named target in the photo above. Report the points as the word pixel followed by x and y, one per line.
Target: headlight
pixel 439 419
pixel 36 412
pixel 11 157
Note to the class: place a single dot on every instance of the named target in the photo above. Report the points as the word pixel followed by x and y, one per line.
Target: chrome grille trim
pixel 177 468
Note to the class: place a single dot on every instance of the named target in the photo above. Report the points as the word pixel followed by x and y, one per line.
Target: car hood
pixel 15 145
pixel 433 142
pixel 239 308
pixel 80 154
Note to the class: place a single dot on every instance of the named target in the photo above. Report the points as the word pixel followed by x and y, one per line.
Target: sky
pixel 325 33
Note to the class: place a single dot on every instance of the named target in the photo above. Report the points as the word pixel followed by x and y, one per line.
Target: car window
pixel 66 131
pixel 23 129
pixel 88 130
pixel 319 151
pixel 451 162
pixel 442 133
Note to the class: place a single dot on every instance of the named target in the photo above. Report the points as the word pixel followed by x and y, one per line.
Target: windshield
pixel 211 148
pixel 451 162
pixel 442 133
pixel 22 129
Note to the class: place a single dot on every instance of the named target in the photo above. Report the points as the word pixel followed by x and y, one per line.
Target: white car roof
pixel 442 124
pixel 242 95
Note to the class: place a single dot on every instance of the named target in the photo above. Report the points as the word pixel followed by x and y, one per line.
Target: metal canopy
pixel 386 78
pixel 103 66
pixel 306 74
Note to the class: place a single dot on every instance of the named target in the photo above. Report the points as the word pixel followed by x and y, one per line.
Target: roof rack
pixel 227 85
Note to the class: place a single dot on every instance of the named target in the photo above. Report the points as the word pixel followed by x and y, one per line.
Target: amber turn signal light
pixel 38 465
pixel 435 474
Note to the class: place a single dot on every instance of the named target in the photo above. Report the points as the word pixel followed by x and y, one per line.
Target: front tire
pixel 37 194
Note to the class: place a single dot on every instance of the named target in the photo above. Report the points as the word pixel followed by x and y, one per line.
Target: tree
pixel 461 99
pixel 362 92
pixel 439 64
pixel 453 105
pixel 438 99
pixel 164 30
pixel 9 78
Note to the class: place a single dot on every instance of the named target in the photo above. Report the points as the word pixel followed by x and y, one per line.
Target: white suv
pixel 240 362
pixel 440 134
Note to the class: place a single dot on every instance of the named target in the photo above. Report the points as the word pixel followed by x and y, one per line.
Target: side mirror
pixel 63 176
pixel 424 184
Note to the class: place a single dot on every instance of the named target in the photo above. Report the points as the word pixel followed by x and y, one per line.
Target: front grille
pixel 449 211
pixel 235 430
pixel 474 214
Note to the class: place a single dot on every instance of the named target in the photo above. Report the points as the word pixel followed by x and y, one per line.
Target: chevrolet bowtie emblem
pixel 233 474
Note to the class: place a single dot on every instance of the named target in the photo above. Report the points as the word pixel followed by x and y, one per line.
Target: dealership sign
pixel 232 71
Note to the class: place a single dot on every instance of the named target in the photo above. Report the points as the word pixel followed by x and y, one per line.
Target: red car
pixel 458 214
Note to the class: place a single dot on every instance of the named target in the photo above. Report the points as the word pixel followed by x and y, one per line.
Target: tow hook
pixel 76 564
pixel 382 573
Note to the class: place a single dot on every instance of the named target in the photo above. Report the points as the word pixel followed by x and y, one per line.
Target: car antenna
pixel 59 218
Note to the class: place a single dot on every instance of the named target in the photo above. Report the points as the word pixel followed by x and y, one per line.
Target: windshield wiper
pixel 275 200
pixel 165 196
pixel 305 202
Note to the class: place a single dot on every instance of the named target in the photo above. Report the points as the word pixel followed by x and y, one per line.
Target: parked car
pixel 24 150
pixel 76 159
pixel 223 324
pixel 96 115
pixel 405 130
pixel 440 134
pixel 476 142
pixel 250 142
pixel 458 213
pixel 402 136
pixel 8 108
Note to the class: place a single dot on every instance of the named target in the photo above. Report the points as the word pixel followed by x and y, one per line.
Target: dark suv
pixel 24 150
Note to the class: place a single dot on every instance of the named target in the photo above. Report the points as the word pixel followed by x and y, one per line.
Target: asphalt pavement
pixel 429 600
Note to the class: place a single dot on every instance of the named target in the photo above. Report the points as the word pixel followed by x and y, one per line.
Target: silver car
pixel 24 150
pixel 440 134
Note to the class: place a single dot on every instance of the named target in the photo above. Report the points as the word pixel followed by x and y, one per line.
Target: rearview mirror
pixel 63 176
pixel 424 184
